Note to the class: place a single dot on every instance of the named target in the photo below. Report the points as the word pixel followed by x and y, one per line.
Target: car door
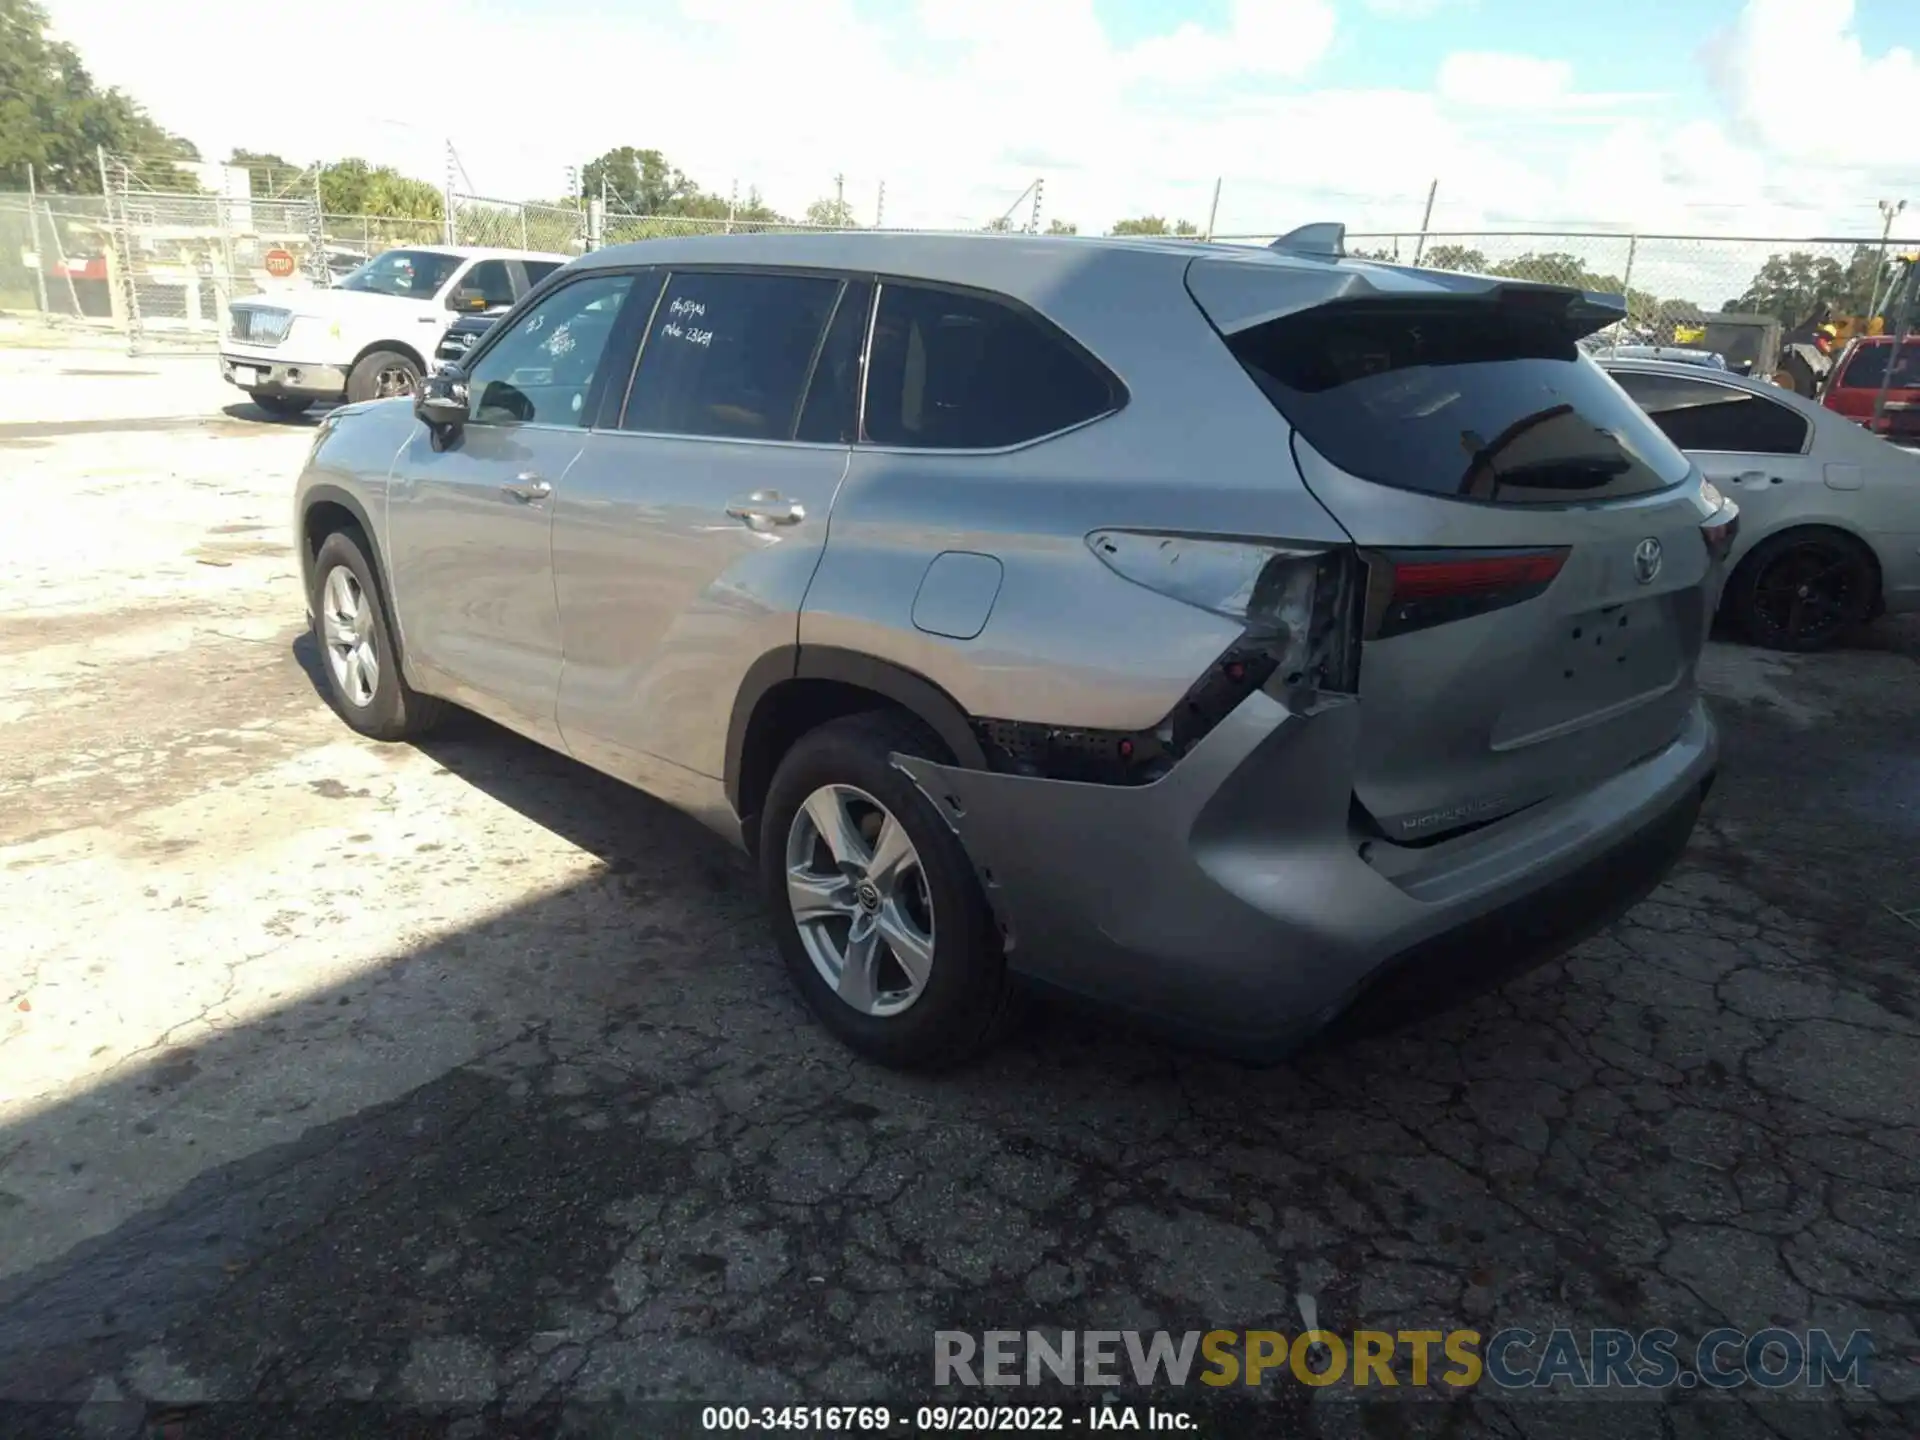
pixel 470 515
pixel 1753 448
pixel 687 536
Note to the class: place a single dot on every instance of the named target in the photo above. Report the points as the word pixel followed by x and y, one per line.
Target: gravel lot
pixel 460 1077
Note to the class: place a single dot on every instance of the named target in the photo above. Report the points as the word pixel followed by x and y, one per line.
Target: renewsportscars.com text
pixel 1511 1358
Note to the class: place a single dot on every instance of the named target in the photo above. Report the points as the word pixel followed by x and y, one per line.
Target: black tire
pixel 1802 590
pixel 286 405
pixel 968 999
pixel 372 378
pixel 393 710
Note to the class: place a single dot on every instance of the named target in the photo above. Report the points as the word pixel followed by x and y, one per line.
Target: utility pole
pixel 452 162
pixel 733 203
pixel 39 262
pixel 1889 211
pixel 1213 211
pixel 1426 219
pixel 880 206
pixel 1033 224
pixel 839 200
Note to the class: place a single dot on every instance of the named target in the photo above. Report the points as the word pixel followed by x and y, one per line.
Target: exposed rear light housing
pixel 1299 607
pixel 1410 590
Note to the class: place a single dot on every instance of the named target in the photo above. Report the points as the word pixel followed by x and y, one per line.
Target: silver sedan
pixel 1829 513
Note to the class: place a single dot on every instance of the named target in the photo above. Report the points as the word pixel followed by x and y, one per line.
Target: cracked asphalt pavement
pixel 461 1083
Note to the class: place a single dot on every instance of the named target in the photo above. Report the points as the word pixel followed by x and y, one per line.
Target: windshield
pixel 409 274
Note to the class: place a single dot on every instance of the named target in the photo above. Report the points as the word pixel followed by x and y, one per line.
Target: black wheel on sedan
pixel 355 639
pixel 875 904
pixel 1803 590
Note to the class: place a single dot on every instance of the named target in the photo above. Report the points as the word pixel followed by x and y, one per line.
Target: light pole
pixel 1889 211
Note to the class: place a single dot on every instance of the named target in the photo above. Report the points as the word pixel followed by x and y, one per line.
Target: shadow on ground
pixel 668 1183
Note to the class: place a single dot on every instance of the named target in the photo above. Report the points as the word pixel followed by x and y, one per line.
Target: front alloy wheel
pixel 860 900
pixel 347 624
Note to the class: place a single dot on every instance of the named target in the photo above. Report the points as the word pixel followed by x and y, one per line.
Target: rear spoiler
pixel 1240 291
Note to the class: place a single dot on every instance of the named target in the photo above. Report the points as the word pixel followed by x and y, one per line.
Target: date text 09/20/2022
pixel 938 1419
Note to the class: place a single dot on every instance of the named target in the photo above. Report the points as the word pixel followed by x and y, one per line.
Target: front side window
pixel 540 370
pixel 490 281
pixel 952 370
pixel 729 354
pixel 538 270
pixel 1699 415
pixel 405 274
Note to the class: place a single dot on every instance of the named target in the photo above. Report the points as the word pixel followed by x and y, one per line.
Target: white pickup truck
pixel 374 332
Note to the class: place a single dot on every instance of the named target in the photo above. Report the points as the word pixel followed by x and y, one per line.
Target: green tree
pixel 1062 227
pixel 1454 257
pixel 54 118
pixel 1796 288
pixel 643 182
pixel 353 187
pixel 832 215
pixel 1153 225
pixel 1370 254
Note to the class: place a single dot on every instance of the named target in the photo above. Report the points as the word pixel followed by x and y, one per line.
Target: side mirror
pixel 468 302
pixel 441 401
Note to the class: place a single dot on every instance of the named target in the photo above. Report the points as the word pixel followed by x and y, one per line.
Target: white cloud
pixel 1503 82
pixel 958 104
pixel 1415 9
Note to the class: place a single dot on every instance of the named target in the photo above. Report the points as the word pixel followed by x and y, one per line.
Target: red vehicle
pixel 1857 379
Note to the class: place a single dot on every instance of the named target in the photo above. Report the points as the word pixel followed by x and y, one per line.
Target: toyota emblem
pixel 1646 560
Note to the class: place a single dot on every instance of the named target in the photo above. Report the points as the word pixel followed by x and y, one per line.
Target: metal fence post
pixel 33 231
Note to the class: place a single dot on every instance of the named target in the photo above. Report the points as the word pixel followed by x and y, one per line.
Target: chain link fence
pixel 160 269
pixel 519 225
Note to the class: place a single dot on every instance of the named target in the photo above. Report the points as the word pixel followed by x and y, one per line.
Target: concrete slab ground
pixel 455 1076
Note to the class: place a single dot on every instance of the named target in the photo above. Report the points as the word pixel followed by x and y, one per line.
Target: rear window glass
pixel 1868 368
pixel 1459 400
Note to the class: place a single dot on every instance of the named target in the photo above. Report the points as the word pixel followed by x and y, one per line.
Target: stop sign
pixel 280 263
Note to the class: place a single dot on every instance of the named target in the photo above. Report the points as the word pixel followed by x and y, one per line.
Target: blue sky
pixel 1687 115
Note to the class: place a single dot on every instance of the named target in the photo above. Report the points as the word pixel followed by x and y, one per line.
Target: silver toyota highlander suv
pixel 1255 641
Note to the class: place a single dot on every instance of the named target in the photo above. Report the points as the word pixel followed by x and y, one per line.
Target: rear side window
pixel 1868 368
pixel 954 370
pixel 1696 415
pixel 1473 401
pixel 729 354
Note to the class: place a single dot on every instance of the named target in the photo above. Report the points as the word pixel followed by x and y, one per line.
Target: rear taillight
pixel 1411 590
pixel 1720 530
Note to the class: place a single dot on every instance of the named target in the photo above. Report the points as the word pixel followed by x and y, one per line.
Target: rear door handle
pixel 764 509
pixel 529 488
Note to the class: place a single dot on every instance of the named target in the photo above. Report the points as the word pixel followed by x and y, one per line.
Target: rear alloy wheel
pixel 859 899
pixel 879 915
pixel 383 375
pixel 1803 590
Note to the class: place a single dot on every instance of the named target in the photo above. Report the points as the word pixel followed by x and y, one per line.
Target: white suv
pixel 373 333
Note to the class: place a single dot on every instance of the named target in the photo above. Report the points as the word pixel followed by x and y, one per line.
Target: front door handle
pixel 529 488
pixel 764 509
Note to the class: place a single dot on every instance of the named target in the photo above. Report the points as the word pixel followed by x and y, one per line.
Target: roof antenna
pixel 1326 240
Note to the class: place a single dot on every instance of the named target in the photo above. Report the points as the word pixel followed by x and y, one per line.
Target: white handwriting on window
pixel 671 331
pixel 687 309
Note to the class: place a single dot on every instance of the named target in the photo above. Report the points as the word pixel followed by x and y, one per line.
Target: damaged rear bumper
pixel 1233 902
